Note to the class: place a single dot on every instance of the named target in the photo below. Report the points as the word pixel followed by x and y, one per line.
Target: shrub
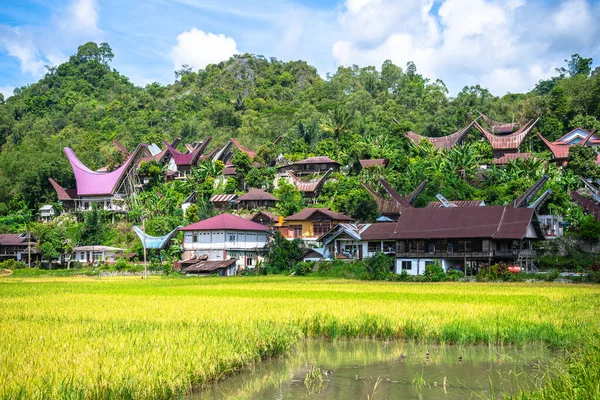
pixel 455 275
pixel 121 264
pixel 302 268
pixel 554 274
pixel 12 264
pixel 434 272
pixel 379 266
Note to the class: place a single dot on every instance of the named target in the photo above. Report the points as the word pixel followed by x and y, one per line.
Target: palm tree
pixel 337 122
pixel 463 161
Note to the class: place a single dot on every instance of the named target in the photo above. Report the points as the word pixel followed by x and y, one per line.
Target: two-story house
pixel 311 223
pixel 225 237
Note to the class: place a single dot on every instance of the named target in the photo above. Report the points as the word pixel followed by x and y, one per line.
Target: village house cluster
pixel 457 234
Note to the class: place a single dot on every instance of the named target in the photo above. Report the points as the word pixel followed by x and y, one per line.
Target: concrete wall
pixel 418 265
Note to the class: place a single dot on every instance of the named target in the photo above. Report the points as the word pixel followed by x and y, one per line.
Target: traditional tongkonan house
pixel 256 198
pixel 311 165
pixel 378 162
pixel 265 218
pixel 309 189
pixel 108 190
pixel 507 144
pixel 391 209
pixel 182 163
pixel 560 147
pixel 225 237
pixel 444 142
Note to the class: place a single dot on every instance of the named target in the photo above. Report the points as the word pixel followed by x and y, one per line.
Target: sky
pixel 506 46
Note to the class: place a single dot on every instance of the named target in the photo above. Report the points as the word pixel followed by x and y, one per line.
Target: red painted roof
pixel 92 183
pixel 306 213
pixel 372 163
pixel 267 214
pixel 257 194
pixel 187 158
pixel 13 239
pixel 225 222
pixel 560 151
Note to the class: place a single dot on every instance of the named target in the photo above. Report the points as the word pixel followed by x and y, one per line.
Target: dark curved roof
pixel 507 142
pixel 444 142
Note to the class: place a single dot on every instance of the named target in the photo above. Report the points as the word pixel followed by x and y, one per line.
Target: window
pixel 249 261
pixel 320 229
pixel 406 265
pixel 232 237
pixel 295 231
pixel 389 247
pixel 429 262
pixel 477 246
pixel 431 248
pixel 194 237
pixel 450 247
pixel 413 246
pixel 374 247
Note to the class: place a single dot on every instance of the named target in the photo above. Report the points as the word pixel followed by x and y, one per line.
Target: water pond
pixel 369 369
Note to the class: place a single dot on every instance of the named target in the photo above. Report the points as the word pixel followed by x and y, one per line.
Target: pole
pixel 144 243
pixel 28 246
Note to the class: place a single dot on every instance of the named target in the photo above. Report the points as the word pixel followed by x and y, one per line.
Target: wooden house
pixel 560 148
pixel 18 247
pixel 311 165
pixel 182 162
pixel 311 223
pixel 223 202
pixel 256 198
pixel 224 237
pixel 265 218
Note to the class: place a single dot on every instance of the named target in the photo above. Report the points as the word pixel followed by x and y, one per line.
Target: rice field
pixel 159 338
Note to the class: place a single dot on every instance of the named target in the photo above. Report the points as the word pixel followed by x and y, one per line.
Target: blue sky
pixel 506 46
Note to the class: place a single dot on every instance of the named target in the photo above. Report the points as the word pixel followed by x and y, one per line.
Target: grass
pixel 89 337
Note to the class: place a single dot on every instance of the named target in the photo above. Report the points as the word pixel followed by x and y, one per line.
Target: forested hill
pixel 85 104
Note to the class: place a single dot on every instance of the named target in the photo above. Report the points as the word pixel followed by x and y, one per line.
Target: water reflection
pixel 362 369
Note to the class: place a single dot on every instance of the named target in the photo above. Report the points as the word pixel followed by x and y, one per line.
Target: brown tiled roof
pixel 306 213
pixel 372 163
pixel 395 195
pixel 229 170
pixel 507 142
pixel 500 127
pixel 308 187
pixel 380 231
pixel 243 149
pixel 507 158
pixel 464 222
pixel 208 266
pixel 62 193
pixel 444 142
pixel 257 194
pixel 457 203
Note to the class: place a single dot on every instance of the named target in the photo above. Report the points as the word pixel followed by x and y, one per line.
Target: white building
pixel 224 237
pixel 47 212
pixel 93 254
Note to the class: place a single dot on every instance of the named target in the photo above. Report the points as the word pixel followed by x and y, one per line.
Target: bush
pixel 379 267
pixel 455 275
pixel 434 272
pixel 121 264
pixel 554 274
pixel 302 268
pixel 12 264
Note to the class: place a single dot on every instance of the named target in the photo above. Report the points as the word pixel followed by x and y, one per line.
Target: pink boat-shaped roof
pixel 92 183
pixel 187 158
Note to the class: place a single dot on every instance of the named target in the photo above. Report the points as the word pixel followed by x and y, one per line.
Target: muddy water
pixel 362 369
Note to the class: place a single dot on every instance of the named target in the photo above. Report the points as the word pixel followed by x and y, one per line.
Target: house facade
pixel 18 247
pixel 311 223
pixel 225 237
pixel 97 254
pixel 311 165
pixel 256 198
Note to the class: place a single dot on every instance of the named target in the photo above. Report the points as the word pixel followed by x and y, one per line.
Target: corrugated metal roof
pixel 308 187
pixel 560 151
pixel 62 193
pixel 507 158
pixel 316 160
pixel 267 214
pixel 507 142
pixel 458 203
pixel 223 198
pixel 187 158
pixel 223 222
pixel 13 239
pixel 444 142
pixel 208 266
pixel 97 248
pixel 243 149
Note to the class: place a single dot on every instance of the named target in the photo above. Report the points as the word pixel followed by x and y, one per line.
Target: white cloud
pixel 7 91
pixel 506 45
pixel 198 49
pixel 83 15
pixel 19 44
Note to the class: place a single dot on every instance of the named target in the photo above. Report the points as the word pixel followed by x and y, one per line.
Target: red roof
pixel 560 151
pixel 372 163
pixel 225 222
pixel 464 222
pixel 267 214
pixel 306 213
pixel 62 193
pixel 13 239
pixel 243 149
pixel 187 158
pixel 507 142
pixel 257 194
